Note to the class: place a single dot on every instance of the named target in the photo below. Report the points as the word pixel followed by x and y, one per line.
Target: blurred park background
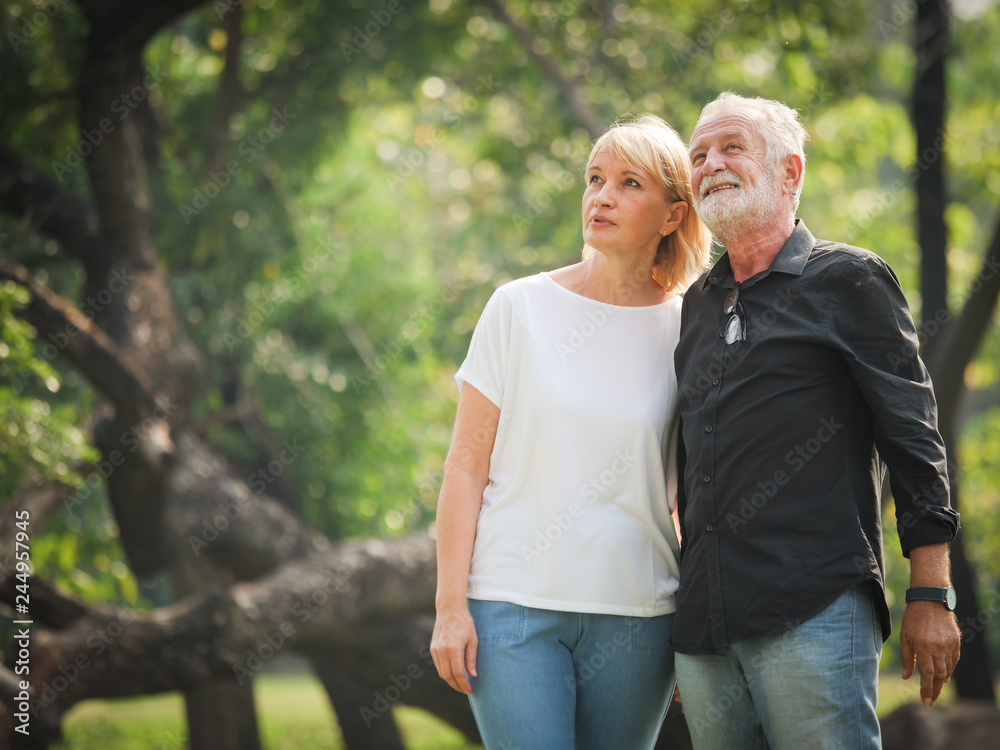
pixel 243 246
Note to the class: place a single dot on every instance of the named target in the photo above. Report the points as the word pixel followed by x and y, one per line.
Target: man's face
pixel 735 189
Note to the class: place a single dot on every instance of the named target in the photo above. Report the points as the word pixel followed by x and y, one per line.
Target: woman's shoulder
pixel 524 286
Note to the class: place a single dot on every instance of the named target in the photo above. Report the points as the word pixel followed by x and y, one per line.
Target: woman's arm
pixel 466 474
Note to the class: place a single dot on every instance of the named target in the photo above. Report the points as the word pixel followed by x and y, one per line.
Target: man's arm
pixel 881 343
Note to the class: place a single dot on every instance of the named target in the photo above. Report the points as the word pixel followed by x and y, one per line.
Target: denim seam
pixel 854 663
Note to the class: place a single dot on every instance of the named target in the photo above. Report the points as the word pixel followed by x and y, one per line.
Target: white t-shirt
pixel 575 516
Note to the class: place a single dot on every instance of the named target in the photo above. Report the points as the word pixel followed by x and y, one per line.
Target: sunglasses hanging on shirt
pixel 736 323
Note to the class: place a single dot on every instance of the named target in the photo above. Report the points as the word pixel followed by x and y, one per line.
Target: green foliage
pixel 38 438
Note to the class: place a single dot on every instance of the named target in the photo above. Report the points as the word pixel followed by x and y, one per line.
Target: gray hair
pixel 780 125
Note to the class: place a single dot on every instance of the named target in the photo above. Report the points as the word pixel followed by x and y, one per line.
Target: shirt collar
pixel 791 258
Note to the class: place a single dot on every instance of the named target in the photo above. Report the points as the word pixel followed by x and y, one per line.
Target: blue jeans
pixel 569 681
pixel 813 687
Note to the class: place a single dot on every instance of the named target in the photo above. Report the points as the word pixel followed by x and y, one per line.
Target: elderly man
pixel 799 382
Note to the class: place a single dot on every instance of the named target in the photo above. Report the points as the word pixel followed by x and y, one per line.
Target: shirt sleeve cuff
pixel 932 526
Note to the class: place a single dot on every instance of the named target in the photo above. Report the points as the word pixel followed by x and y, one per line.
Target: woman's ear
pixel 675 215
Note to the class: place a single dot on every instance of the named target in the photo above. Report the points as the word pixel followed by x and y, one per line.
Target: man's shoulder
pixel 831 257
pixel 833 252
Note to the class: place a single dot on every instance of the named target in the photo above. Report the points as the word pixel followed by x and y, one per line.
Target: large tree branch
pixel 322 604
pixel 960 341
pixel 570 88
pixel 69 332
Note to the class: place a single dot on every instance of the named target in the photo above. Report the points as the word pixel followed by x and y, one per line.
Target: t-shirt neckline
pixel 545 275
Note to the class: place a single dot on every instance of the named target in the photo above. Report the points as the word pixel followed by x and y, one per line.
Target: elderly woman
pixel 557 555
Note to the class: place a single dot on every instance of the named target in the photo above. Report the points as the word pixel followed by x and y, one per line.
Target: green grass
pixel 293 712
pixel 294 715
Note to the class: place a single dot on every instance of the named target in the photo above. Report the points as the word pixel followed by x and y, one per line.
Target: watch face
pixel 952 598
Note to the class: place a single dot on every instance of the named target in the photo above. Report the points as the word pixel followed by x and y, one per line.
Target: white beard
pixel 737 211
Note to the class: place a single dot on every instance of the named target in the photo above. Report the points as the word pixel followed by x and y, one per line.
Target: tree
pixel 210 252
pixel 951 343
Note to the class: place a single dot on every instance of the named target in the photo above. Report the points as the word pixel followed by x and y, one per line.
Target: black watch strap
pixel 932 594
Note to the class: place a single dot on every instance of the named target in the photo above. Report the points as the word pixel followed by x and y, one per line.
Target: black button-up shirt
pixel 785 437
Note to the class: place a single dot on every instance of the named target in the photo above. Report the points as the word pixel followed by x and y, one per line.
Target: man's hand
pixel 930 639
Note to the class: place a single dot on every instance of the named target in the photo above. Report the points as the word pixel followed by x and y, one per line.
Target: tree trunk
pixel 349 698
pixel 949 348
pixel 222 716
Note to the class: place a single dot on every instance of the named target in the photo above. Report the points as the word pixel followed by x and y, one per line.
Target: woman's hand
pixel 454 646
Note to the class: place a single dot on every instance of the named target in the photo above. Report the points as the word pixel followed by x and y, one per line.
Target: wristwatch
pixel 933 594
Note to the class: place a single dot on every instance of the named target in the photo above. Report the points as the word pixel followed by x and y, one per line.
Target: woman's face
pixel 624 208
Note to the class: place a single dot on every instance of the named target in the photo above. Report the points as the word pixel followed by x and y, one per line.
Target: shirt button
pixel 708 428
pixel 715 382
pixel 722 334
pixel 710 527
pixel 706 479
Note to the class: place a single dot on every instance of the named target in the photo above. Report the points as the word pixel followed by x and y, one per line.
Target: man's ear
pixel 792 172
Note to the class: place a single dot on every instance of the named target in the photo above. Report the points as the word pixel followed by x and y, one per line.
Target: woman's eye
pixel 631 183
pixel 594 178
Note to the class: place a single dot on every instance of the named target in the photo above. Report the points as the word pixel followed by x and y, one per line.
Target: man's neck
pixel 751 253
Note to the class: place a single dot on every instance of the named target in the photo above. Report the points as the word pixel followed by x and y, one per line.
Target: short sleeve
pixel 485 365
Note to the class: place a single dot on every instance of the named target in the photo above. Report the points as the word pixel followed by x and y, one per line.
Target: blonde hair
pixel 647 142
